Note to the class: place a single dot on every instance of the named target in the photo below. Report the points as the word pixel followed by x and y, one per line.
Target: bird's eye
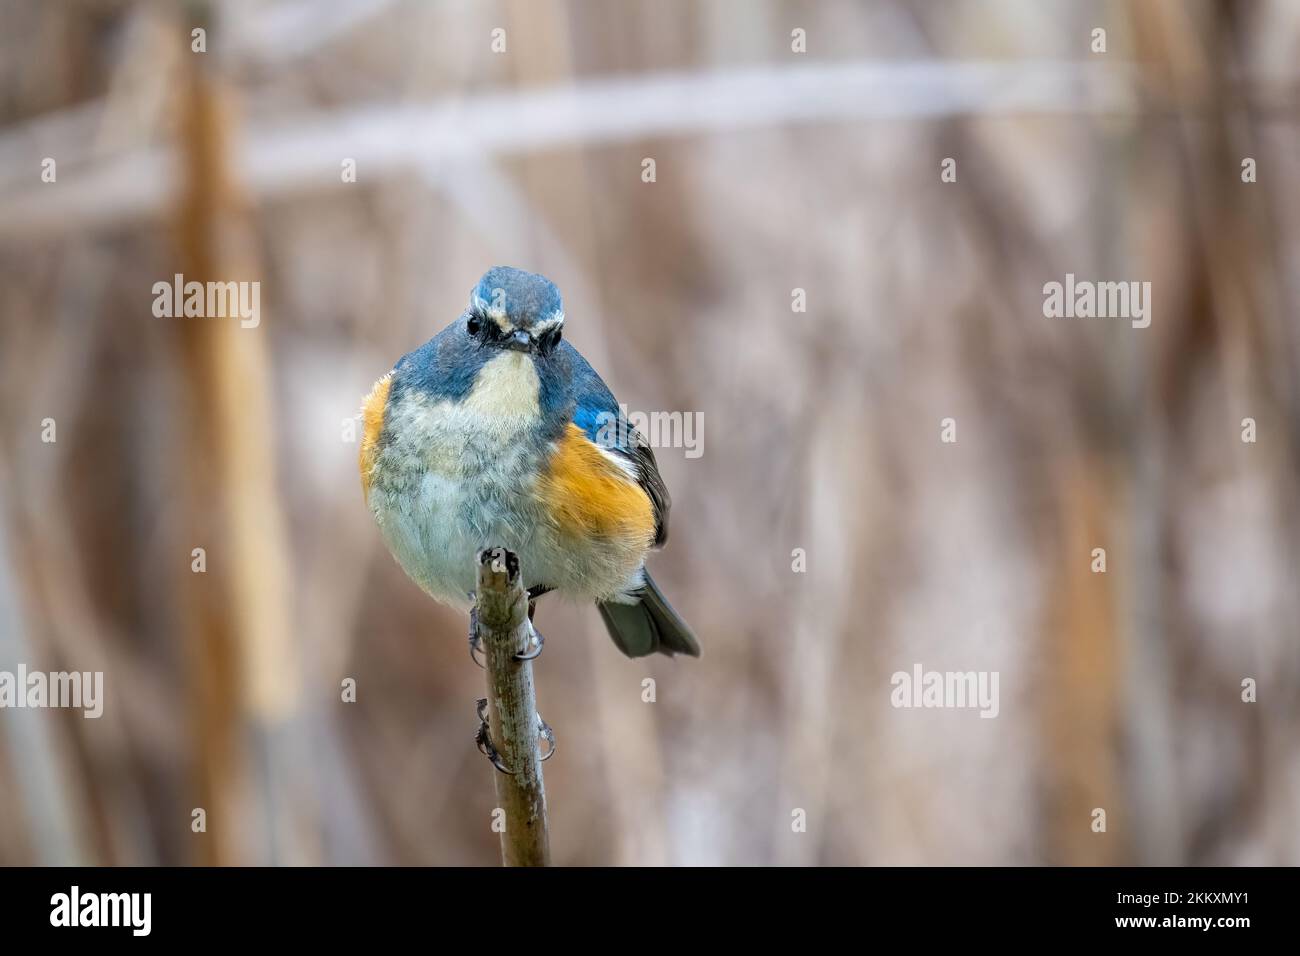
pixel 549 340
pixel 474 325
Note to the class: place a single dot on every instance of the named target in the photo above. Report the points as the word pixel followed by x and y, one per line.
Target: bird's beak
pixel 519 341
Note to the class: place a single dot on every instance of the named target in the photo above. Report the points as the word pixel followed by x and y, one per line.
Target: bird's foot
pixel 535 642
pixel 532 647
pixel 475 642
pixel 483 738
pixel 535 637
pixel 547 734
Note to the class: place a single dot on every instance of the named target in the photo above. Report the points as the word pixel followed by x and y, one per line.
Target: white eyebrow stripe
pixel 546 325
pixel 492 312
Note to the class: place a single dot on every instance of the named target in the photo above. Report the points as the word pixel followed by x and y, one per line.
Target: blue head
pixel 513 309
pixel 513 316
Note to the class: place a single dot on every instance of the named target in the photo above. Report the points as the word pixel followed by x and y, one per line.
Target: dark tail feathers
pixel 649 625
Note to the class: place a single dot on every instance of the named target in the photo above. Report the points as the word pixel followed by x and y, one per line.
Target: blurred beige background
pixel 774 171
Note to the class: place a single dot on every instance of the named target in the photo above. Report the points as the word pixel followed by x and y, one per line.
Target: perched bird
pixel 497 432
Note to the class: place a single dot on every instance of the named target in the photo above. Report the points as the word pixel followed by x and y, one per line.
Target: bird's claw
pixel 537 640
pixel 547 734
pixel 475 642
pixel 483 738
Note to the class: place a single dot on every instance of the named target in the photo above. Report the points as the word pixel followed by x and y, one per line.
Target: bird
pixel 498 433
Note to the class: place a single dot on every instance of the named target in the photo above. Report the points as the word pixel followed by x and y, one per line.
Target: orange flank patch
pixel 372 423
pixel 589 496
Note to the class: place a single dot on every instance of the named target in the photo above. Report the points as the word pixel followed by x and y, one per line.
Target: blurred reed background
pixel 775 171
